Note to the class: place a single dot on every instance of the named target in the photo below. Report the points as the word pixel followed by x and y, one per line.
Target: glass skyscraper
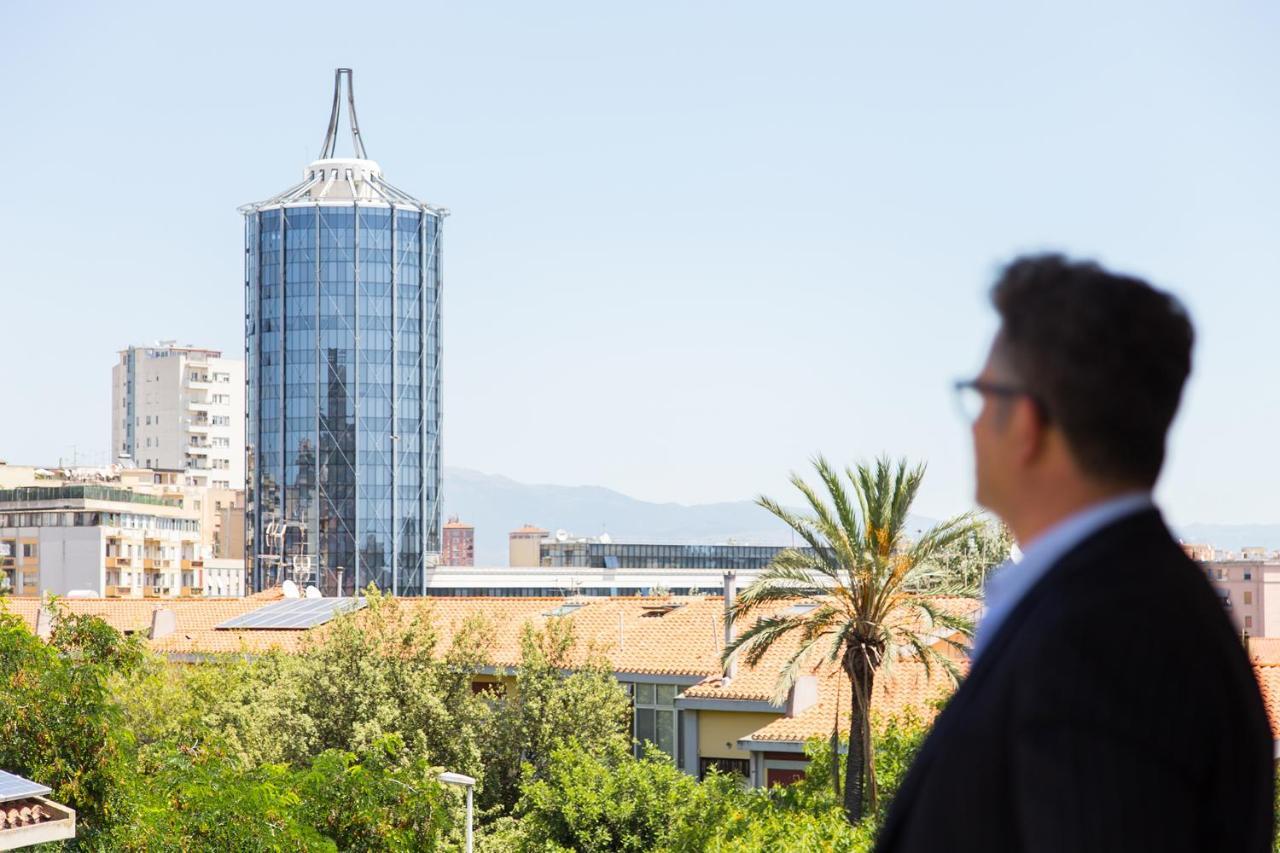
pixel 342 349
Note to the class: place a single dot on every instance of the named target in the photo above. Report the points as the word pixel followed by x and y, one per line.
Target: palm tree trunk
pixel 861 677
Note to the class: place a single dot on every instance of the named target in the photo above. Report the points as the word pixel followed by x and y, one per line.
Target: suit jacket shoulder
pixel 1108 712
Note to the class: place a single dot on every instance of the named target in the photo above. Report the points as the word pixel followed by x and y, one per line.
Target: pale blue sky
pixel 692 244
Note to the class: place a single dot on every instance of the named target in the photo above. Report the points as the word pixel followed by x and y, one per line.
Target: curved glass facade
pixel 342 347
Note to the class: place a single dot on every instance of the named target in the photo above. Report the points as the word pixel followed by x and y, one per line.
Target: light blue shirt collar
pixel 1007 584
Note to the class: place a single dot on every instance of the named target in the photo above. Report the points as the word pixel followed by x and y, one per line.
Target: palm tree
pixel 863 578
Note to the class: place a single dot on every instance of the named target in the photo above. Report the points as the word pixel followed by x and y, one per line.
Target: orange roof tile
pixel 906 686
pixel 1268 675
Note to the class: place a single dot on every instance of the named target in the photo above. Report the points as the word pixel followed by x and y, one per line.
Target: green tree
pixel 58 724
pixel 613 802
pixel 555 699
pixel 969 559
pixel 861 576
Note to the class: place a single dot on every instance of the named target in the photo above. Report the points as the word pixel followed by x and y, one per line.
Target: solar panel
pixel 292 615
pixel 16 788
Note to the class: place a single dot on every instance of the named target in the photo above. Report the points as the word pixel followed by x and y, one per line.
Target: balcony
pixel 119 591
pixel 7 562
pixel 192 590
pixel 119 562
pixel 192 564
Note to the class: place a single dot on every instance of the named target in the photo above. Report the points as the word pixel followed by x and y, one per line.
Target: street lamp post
pixel 467 782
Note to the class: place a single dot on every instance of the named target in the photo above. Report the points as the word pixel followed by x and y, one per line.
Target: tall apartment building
pixel 180 407
pixel 458 544
pixel 342 344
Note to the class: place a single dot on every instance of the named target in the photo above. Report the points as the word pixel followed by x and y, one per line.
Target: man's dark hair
pixel 1104 355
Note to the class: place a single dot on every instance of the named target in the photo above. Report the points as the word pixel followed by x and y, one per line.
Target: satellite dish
pixel 562 535
pixel 605 539
pixel 290 590
pixel 312 592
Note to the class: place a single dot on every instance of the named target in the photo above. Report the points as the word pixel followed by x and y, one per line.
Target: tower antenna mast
pixel 328 149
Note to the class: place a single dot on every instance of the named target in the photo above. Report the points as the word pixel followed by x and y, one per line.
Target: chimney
pixel 730 595
pixel 803 695
pixel 44 621
pixel 163 623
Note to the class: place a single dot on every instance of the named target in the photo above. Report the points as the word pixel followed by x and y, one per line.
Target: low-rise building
pixel 101 540
pixel 218 516
pixel 1250 592
pixel 524 546
pixel 562 550
pixel 516 582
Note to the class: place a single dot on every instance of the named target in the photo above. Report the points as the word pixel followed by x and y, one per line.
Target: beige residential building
pixel 212 527
pixel 183 408
pixel 1250 591
pixel 525 546
pixel 100 540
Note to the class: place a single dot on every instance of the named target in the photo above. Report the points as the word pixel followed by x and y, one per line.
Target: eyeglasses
pixel 971 394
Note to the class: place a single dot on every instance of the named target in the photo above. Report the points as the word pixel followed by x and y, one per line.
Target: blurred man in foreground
pixel 1109 704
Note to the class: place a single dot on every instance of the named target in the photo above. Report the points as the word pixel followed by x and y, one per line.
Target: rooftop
pixel 49 494
pixel 343 180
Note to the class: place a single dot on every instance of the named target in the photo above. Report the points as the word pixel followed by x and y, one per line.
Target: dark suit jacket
pixel 1114 709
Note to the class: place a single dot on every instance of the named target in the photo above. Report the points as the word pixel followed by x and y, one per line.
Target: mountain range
pixel 496 505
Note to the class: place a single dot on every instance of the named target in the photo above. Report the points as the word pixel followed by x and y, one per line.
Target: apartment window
pixel 28 549
pixel 1248 622
pixel 1248 597
pixel 148 420
pixel 655 717
pixel 1248 575
pixel 733 766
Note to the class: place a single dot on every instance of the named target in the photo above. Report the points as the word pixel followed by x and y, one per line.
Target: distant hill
pixel 496 505
pixel 1233 537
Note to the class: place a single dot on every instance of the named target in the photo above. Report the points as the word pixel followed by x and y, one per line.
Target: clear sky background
pixel 691 244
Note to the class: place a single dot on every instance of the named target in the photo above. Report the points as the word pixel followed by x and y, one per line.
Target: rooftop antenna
pixel 329 147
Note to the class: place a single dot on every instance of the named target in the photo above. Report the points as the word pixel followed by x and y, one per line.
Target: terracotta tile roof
pixel 679 636
pixel 28 812
pixel 632 634
pixel 760 683
pixel 906 686
pixel 195 617
pixel 1268 675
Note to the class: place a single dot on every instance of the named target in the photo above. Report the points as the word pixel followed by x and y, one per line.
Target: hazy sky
pixel 691 244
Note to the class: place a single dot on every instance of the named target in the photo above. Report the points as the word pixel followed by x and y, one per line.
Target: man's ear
pixel 1028 431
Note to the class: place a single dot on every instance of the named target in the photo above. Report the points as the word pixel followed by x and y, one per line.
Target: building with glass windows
pixel 342 354
pixel 593 553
